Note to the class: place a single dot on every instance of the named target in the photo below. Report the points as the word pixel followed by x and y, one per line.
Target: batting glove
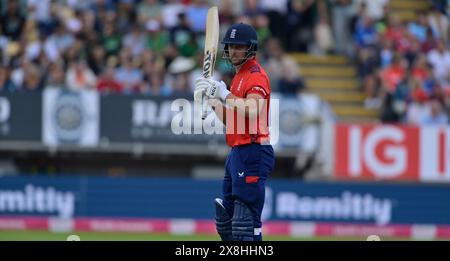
pixel 215 89
pixel 200 89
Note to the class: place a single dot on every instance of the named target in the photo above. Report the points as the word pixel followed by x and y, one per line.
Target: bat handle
pixel 204 106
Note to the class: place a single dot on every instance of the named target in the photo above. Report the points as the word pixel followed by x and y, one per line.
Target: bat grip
pixel 204 106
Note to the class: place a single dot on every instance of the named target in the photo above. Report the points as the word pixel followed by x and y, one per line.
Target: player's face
pixel 237 52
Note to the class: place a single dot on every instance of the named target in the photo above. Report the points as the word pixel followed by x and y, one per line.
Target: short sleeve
pixel 258 84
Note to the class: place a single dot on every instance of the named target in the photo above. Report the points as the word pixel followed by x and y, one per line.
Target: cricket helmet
pixel 241 34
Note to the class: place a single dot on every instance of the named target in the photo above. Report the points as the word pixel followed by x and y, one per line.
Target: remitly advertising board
pixel 392 152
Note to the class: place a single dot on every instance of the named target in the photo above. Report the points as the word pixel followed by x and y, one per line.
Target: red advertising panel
pixel 377 152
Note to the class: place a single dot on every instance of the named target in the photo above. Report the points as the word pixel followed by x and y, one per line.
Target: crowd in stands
pixel 148 47
pixel 404 67
pixel 155 47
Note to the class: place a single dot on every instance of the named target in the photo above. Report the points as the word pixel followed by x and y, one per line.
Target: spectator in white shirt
pixel 439 58
pixel 79 76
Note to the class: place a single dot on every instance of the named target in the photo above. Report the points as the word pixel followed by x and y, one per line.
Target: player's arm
pixel 250 107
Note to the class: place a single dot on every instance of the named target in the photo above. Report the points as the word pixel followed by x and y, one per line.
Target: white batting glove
pixel 200 89
pixel 216 90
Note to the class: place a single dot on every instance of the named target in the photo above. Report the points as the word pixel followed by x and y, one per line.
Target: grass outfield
pixel 9 235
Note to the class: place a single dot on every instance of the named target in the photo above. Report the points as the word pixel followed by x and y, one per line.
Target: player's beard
pixel 236 61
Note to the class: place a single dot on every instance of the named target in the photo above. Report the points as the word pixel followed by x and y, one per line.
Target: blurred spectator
pixel 6 84
pixel 375 8
pixel 439 58
pixel 420 69
pixel 135 41
pixel 402 94
pixel 32 78
pixel 196 15
pixel 17 73
pixel 413 51
pixel 342 11
pixel 79 5
pixel 80 76
pixel 388 113
pixel 149 10
pixel 299 25
pixel 3 45
pixel 170 12
pixel 73 21
pixel 75 51
pixel 55 77
pixel 386 53
pixel 419 27
pixel 366 61
pixel 157 39
pixel 128 75
pixel 365 39
pixel 435 115
pixel 371 87
pixel 183 37
pixel 283 70
pixel 12 22
pixel 180 75
pixel 154 84
pixel 107 83
pixel 417 109
pixel 322 30
pixel 252 9
pixel 34 48
pixel 227 14
pixel 262 29
pixel 430 42
pixel 365 34
pixel 111 40
pixel 124 15
pixel 439 24
pixel 96 59
pixel 276 11
pixel 57 43
pixel 40 11
pixel 393 74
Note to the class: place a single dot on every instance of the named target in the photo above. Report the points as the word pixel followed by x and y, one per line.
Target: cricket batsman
pixel 243 107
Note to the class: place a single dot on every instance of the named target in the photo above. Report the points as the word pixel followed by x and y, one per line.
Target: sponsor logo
pixel 5 114
pixel 377 152
pixel 213 90
pixel 240 84
pixel 70 118
pixel 389 152
pixel 233 34
pixel 251 179
pixel 346 207
pixel 207 64
pixel 34 199
pixel 5 109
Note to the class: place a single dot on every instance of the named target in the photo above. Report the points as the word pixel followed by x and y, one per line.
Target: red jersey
pixel 251 78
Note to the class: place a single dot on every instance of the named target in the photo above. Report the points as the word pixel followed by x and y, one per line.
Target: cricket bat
pixel 210 51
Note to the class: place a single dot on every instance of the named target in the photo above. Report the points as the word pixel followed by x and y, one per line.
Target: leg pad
pixel 223 221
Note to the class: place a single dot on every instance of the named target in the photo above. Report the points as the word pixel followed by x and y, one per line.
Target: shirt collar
pixel 250 62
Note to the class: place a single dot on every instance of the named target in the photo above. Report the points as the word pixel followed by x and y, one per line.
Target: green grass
pixel 12 235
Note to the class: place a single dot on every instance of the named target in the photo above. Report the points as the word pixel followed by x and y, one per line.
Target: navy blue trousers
pixel 246 170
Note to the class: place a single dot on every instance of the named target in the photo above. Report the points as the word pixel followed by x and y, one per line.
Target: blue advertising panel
pixel 379 204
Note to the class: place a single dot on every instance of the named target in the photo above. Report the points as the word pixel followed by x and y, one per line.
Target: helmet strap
pixel 249 53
